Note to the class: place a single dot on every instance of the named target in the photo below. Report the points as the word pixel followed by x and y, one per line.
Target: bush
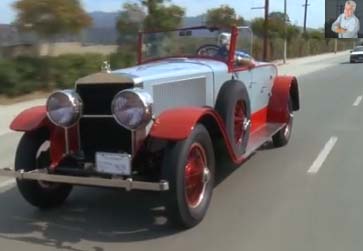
pixel 66 69
pixel 8 76
pixel 122 59
pixel 21 75
pixel 26 74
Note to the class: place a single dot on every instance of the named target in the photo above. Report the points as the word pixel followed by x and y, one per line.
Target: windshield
pixel 195 42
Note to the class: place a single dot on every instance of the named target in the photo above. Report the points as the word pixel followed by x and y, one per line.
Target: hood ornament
pixel 106 67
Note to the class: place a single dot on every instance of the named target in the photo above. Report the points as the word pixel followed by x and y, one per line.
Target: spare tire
pixel 233 104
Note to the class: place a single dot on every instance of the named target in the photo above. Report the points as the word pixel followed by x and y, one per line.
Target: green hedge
pixel 23 75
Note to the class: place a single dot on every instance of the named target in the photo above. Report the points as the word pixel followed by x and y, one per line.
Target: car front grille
pixel 97 98
pixel 100 133
pixel 103 135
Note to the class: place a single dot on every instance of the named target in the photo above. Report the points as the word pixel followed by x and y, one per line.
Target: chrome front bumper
pixel 128 184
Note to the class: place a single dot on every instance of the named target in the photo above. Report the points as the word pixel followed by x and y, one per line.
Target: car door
pixel 246 73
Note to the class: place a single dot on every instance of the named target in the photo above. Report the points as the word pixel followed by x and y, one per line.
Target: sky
pixel 295 10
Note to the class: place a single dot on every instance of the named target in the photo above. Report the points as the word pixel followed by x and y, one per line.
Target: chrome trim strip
pixel 79 137
pixel 133 143
pixel 128 184
pixel 66 134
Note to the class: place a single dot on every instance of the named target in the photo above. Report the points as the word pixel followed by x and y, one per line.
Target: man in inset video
pixel 347 24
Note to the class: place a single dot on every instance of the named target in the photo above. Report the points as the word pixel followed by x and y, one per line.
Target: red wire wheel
pixel 196 175
pixel 239 118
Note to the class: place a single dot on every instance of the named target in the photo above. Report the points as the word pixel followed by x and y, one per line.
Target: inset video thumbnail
pixel 343 19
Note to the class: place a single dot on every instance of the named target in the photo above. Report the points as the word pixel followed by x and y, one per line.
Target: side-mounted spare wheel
pixel 33 153
pixel 233 104
pixel 189 166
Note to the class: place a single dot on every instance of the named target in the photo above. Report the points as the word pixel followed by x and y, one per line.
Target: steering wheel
pixel 209 50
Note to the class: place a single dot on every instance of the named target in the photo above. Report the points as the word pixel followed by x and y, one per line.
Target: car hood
pixel 171 69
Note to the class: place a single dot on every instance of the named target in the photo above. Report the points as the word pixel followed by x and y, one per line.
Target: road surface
pixel 306 196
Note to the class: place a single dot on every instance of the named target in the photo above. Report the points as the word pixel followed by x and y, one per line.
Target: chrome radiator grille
pixel 97 98
pixel 99 133
pixel 190 92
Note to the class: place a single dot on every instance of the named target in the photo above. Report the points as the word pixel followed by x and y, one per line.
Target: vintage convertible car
pixel 154 126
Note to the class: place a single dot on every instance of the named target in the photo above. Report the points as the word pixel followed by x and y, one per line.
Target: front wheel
pixel 33 153
pixel 189 166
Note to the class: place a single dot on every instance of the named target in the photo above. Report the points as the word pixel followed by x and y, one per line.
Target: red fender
pixel 177 124
pixel 283 88
pixel 30 120
pixel 35 118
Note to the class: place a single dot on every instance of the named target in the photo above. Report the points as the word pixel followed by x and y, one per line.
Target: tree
pixel 224 16
pixel 162 17
pixel 148 15
pixel 49 18
pixel 257 26
pixel 276 27
pixel 279 16
pixel 130 22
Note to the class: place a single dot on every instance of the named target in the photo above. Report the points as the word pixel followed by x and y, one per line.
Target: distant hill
pixel 109 19
pixel 104 19
pixel 103 31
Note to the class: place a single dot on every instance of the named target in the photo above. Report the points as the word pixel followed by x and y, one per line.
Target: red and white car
pixel 154 126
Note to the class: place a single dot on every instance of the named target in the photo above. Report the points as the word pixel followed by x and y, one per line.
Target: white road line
pixel 7 183
pixel 315 167
pixel 357 101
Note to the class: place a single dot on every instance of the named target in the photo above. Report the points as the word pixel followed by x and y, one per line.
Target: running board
pixel 261 136
pixel 128 184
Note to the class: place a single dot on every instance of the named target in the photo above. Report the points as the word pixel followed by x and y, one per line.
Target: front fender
pixel 284 87
pixel 36 118
pixel 177 124
pixel 30 119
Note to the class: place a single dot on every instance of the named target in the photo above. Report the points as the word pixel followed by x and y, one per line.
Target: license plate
pixel 113 163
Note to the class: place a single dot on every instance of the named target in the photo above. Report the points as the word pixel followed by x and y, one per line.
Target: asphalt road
pixel 306 196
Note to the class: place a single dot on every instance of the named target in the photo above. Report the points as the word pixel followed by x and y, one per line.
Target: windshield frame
pixel 229 61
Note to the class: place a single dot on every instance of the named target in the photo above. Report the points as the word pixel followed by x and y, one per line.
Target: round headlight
pixel 132 109
pixel 64 108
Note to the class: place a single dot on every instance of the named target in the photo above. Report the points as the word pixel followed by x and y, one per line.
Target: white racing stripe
pixel 315 167
pixel 357 101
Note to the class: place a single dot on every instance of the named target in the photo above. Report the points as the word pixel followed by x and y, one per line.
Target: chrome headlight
pixel 132 108
pixel 64 108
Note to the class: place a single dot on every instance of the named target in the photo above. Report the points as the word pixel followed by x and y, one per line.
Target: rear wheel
pixel 189 166
pixel 282 137
pixel 33 153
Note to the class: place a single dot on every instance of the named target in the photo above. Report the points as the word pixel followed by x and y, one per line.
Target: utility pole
pixel 265 32
pixel 285 28
pixel 265 29
pixel 305 15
